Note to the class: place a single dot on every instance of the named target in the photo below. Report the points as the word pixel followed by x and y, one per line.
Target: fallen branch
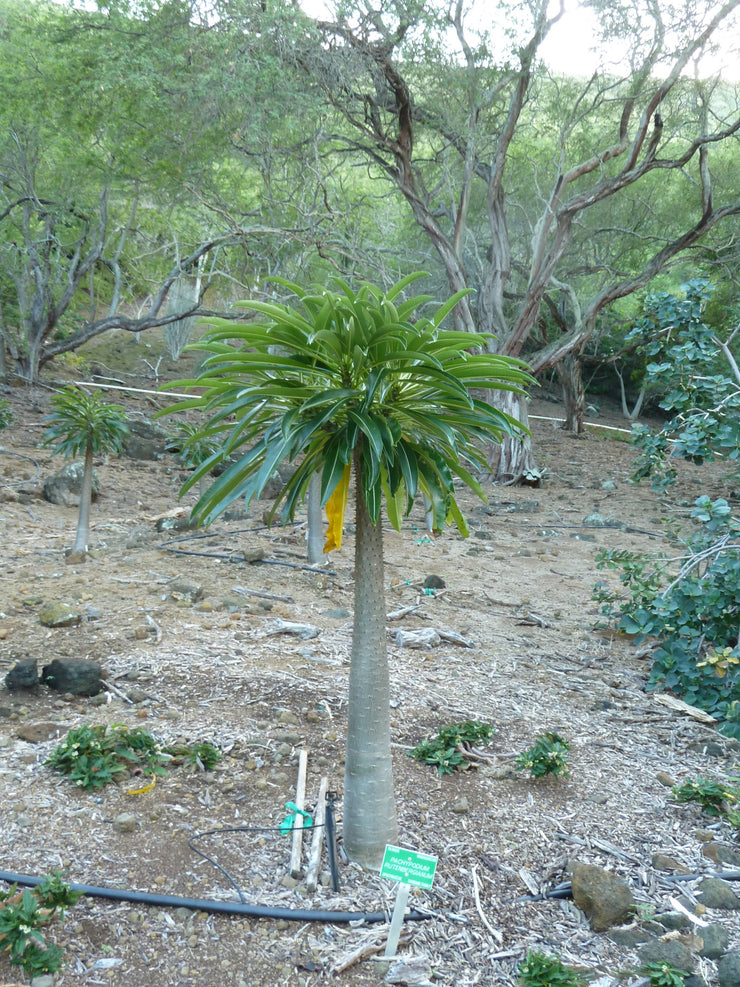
pixel 479 908
pixel 362 953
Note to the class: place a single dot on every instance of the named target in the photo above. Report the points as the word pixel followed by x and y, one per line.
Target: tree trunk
pixel 574 395
pixel 369 821
pixel 83 521
pixel 315 526
pixel 511 460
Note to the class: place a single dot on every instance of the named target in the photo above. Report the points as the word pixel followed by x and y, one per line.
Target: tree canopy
pixel 209 146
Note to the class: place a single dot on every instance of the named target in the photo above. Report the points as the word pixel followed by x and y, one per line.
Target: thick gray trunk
pixel 512 460
pixel 315 521
pixel 574 395
pixel 83 521
pixel 369 821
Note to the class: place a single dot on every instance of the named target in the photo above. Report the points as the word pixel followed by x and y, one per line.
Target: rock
pixel 23 675
pixel 337 613
pixel 43 980
pixel 716 939
pixel 63 488
pixel 595 520
pixel 608 485
pixel 728 969
pixel 722 854
pixel 705 835
pixel 59 615
pixel 434 582
pixel 411 971
pixel 605 899
pixel 5 741
pixel 185 591
pixel 716 893
pixel 289 882
pixel 79 676
pixel 710 748
pixel 425 637
pixel 287 717
pixel 661 861
pixel 630 936
pixel 664 779
pixel 673 920
pixel 461 806
pixel 667 951
pixel 137 695
pixel 125 822
pixel 37 733
pixel 145 441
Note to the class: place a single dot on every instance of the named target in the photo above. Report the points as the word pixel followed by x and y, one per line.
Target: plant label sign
pixel 408 867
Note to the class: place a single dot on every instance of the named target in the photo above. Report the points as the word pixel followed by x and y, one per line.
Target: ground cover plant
pixel 539 969
pixel 93 756
pixel 548 755
pixel 23 915
pixel 716 797
pixel 664 974
pixel 453 746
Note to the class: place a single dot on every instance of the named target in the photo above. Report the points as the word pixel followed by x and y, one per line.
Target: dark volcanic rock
pixel 23 675
pixel 79 676
pixel 605 899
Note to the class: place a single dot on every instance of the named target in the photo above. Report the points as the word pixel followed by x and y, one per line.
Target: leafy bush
pixel 693 368
pixel 6 415
pixel 23 913
pixel 663 974
pixel 540 970
pixel 92 756
pixel 450 749
pixel 547 756
pixel 712 796
pixel 694 614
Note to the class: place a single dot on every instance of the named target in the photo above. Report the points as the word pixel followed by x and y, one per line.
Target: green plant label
pixel 408 867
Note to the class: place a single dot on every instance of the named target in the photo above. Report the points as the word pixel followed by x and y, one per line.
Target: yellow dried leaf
pixel 335 508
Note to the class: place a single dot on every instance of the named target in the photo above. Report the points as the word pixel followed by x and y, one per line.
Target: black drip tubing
pixel 217 907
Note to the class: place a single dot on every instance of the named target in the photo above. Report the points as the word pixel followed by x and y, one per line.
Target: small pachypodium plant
pixel 82 424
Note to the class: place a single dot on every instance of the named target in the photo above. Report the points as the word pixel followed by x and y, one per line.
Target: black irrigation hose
pixel 218 907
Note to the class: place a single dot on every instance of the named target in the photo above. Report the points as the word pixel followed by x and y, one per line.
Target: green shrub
pixel 92 756
pixel 24 913
pixel 6 415
pixel 663 974
pixel 691 366
pixel 712 796
pixel 547 756
pixel 450 749
pixel 693 613
pixel 540 970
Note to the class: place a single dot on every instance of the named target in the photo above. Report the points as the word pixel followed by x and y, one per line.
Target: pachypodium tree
pixel 82 424
pixel 343 382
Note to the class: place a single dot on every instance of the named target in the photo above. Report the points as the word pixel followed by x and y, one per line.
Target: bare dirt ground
pixel 519 589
